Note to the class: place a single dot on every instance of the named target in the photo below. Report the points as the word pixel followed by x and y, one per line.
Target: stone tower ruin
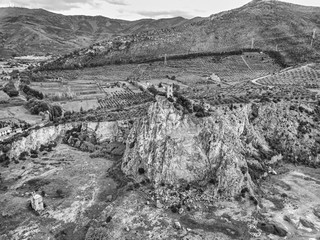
pixel 169 91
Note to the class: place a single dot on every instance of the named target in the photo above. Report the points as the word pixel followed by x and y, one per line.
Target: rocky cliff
pixel 116 131
pixel 169 147
pixel 99 131
pixel 223 151
pixel 38 137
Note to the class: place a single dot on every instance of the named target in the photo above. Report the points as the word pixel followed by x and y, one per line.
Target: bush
pixel 4 158
pixel 153 90
pixel 5 148
pixel 59 193
pixel 184 102
pixel 170 99
pixel 176 87
pixel 11 90
pixel 31 92
pixel 36 106
pixel 277 57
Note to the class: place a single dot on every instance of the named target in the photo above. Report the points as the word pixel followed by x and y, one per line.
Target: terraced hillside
pixel 305 75
pixel 269 25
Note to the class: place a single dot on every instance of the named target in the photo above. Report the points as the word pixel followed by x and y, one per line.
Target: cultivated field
pixel 301 76
pixel 20 113
pixel 111 90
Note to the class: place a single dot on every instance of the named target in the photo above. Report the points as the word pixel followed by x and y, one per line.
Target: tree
pixel 10 89
pixel 176 87
pixel 59 193
pixel 153 90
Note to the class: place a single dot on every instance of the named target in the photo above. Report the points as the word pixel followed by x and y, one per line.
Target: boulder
pixel 272 228
pixel 306 223
pixel 87 147
pixel 177 225
pixel 316 211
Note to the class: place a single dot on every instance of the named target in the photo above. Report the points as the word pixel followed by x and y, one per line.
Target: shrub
pixel 277 57
pixel 11 90
pixel 37 106
pixel 31 92
pixel 184 102
pixel 170 99
pixel 141 171
pixel 176 87
pixel 59 193
pixel 153 90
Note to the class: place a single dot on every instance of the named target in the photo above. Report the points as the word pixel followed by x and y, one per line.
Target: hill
pixel 263 24
pixel 29 31
pixel 267 25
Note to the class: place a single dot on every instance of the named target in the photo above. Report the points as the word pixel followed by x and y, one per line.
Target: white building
pixel 169 91
pixel 5 131
pixel 37 202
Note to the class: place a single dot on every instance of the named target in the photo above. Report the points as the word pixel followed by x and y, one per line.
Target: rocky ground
pixel 161 188
pixel 292 200
pixel 71 183
pixel 87 199
pixel 286 209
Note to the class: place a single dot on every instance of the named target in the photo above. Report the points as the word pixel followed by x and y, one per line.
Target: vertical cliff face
pixel 38 137
pixel 116 131
pixel 170 147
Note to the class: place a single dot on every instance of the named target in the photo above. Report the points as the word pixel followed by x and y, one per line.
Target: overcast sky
pixel 137 9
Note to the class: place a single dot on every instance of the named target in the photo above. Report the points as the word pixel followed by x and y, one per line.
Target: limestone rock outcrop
pixel 170 147
pixel 116 131
pixel 229 148
pixel 38 137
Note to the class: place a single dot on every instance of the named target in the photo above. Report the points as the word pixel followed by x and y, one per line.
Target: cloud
pixel 117 2
pixel 63 5
pixel 170 13
pixel 55 5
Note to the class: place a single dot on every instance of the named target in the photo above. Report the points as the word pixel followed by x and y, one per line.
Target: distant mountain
pixel 27 31
pixel 264 24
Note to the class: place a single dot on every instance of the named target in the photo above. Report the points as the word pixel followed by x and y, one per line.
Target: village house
pixel 37 202
pixel 5 131
pixel 169 91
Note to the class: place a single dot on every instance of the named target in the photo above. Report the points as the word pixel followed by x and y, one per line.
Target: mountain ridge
pixel 267 25
pixel 24 31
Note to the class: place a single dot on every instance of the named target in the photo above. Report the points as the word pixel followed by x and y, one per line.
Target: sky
pixel 137 9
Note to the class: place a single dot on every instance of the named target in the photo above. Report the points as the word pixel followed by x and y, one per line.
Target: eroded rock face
pixel 172 148
pixel 292 130
pixel 116 131
pixel 37 138
pixel 95 132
